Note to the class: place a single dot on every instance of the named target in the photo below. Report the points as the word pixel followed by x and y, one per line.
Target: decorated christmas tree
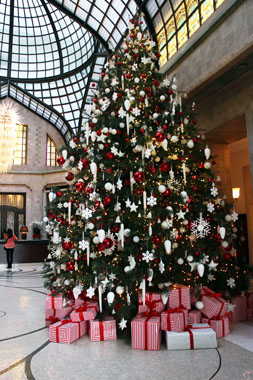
pixel 143 210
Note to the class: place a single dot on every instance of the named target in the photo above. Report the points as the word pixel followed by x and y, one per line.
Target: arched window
pixel 51 152
pixel 193 17
pixel 182 31
pixel 172 45
pixel 21 145
pixel 206 10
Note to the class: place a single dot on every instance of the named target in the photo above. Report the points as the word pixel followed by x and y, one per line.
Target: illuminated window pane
pixel 194 18
pixel 218 3
pixel 21 144
pixel 51 153
pixel 172 45
pixel 206 10
pixel 181 25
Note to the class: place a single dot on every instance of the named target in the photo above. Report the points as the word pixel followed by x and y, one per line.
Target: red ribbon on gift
pixel 148 315
pixel 57 328
pixel 209 293
pixel 83 308
pixel 52 320
pixel 101 330
pixel 218 318
pixel 178 309
pixel 149 302
pixel 188 329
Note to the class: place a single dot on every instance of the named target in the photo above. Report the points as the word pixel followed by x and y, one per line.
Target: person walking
pixel 9 246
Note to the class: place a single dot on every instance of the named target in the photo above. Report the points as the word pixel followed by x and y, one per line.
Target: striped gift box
pixel 146 332
pixel 66 331
pixel 240 310
pixel 214 304
pixel 194 316
pixel 219 325
pixel 52 314
pixel 102 330
pixel 86 312
pixel 153 302
pixel 54 302
pixel 179 296
pixel 199 335
pixel 174 319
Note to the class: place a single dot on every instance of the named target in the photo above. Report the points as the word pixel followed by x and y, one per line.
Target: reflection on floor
pixel 26 353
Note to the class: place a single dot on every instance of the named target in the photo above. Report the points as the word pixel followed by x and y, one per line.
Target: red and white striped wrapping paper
pixel 172 320
pixel 54 302
pixel 153 302
pixel 86 312
pixel 220 326
pixel 199 335
pixel 250 314
pixel 79 301
pixel 66 331
pixel 240 310
pixel 214 305
pixel 194 316
pixel 179 296
pixel 146 332
pixel 102 330
pixel 51 315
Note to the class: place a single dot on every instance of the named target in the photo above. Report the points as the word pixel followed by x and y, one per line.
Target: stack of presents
pixel 184 326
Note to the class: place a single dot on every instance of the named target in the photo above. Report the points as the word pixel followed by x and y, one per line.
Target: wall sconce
pixel 236 193
pixel 24 230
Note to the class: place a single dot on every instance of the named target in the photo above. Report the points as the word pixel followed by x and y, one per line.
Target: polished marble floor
pixel 26 353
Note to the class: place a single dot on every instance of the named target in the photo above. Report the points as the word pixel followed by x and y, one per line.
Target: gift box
pixel 250 314
pixel 102 330
pixel 220 325
pixel 79 301
pixel 174 319
pixel 85 312
pixel 153 302
pixel 198 335
pixel 214 304
pixel 55 315
pixel 146 332
pixel 67 331
pixel 55 301
pixel 194 316
pixel 179 296
pixel 240 310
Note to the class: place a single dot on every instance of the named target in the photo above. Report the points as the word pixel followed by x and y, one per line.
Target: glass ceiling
pixel 51 51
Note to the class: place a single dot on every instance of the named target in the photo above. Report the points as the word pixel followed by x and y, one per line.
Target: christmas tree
pixel 143 209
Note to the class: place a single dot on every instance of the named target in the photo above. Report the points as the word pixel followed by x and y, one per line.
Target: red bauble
pixel 107 200
pixel 165 127
pixel 95 100
pixel 70 266
pixel 138 191
pixel 69 176
pixel 194 177
pixel 109 170
pixel 59 194
pixel 108 243
pixel 227 256
pixel 170 92
pixel 89 190
pixel 118 63
pixel 167 193
pixel 97 204
pixel 51 214
pixel 85 162
pixel 142 130
pixel 102 75
pixel 165 167
pixel 157 240
pixel 139 176
pixel 80 186
pixel 128 76
pixel 201 165
pixel 159 136
pixel 115 229
pixel 100 246
pixel 75 139
pixel 60 160
pixel 196 253
pixel 66 245
pixel 109 155
pixel 144 76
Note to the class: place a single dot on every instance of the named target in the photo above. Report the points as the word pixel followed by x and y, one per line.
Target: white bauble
pixel 113 114
pixel 45 219
pixel 189 258
pixel 107 90
pixel 164 225
pixel 234 229
pixel 222 232
pixel 66 282
pixel 174 86
pixel 90 226
pixel 186 121
pixel 224 244
pixel 167 246
pixel 114 131
pixel 162 98
pixel 155 115
pixel 183 194
pixel 127 269
pixel 121 125
pixel 142 93
pixel 73 222
pixel 136 80
pixel 94 120
pixel 138 148
pixel 207 152
pixel 108 186
pixel 185 222
pixel 101 235
pixel 105 130
pixel 199 305
pixel 170 209
pixel 190 144
pixel 161 188
pixel 127 232
pixel 132 99
pixel 174 139
pixel 95 240
pixel 101 146
pixel 207 165
pixel 180 261
pixel 228 218
pixel 136 239
pixel 200 269
pixel 119 290
pixel 110 297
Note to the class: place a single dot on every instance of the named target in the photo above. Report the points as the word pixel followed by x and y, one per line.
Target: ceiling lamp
pixel 8 125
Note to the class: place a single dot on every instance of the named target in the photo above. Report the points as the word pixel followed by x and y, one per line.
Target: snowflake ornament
pixel 123 324
pixel 214 190
pixel 147 256
pixel 174 184
pixel 136 111
pixel 86 213
pixel 231 282
pixel 161 266
pixel 83 244
pixel 152 201
pixel 90 292
pixel 72 144
pixel 145 60
pixel 200 227
pixel 59 205
pixel 210 207
pixel 211 277
pixel 66 239
pixel 234 216
pixel 119 184
pixel 121 113
pixel 112 276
